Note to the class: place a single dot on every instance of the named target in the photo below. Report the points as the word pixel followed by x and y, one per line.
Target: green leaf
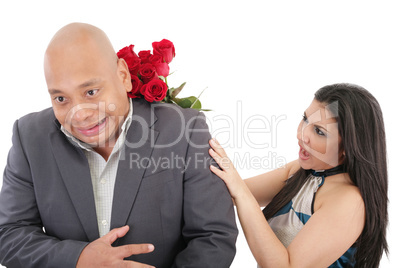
pixel 189 102
pixel 202 110
pixel 184 103
pixel 196 101
pixel 177 90
pixel 170 91
pixel 196 104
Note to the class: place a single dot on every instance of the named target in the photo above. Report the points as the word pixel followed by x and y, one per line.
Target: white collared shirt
pixel 103 173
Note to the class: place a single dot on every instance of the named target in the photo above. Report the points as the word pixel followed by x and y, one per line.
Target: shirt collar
pixel 122 137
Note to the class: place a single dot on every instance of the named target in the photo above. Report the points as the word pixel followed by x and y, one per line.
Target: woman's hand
pixel 228 174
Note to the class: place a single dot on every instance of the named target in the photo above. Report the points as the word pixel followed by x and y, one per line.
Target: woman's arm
pixel 332 229
pixel 265 186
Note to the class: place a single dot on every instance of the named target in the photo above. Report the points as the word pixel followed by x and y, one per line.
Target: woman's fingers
pixel 217 171
pixel 217 147
pixel 219 154
pixel 215 156
pixel 223 162
pixel 228 173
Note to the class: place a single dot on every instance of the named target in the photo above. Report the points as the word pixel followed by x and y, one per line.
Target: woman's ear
pixel 124 74
pixel 342 155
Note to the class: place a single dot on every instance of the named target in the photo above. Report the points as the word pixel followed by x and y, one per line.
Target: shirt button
pixel 103 181
pixel 104 222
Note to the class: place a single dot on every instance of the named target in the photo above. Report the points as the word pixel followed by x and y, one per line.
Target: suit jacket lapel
pixel 139 141
pixel 75 172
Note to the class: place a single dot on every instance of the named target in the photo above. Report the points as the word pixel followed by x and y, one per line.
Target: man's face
pixel 89 95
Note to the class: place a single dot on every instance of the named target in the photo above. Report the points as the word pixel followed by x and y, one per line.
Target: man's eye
pixel 60 99
pixel 92 92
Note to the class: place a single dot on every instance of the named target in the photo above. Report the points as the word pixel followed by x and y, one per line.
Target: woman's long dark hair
pixel 361 128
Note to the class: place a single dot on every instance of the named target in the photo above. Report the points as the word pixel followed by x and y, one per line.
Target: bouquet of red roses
pixel 149 75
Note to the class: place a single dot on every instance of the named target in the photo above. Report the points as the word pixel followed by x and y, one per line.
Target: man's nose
pixel 82 112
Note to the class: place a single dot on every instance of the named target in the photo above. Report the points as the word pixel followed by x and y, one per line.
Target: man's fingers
pixel 115 233
pixel 134 249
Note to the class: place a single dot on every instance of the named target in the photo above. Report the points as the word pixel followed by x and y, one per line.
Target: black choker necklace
pixel 329 172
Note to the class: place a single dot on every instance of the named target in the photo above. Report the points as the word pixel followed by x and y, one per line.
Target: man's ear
pixel 124 74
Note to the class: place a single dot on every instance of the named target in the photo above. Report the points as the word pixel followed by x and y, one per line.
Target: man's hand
pixel 100 252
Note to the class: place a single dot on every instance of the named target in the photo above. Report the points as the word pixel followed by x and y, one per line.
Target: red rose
pixel 164 48
pixel 144 56
pixel 155 90
pixel 162 68
pixel 132 60
pixel 137 84
pixel 148 72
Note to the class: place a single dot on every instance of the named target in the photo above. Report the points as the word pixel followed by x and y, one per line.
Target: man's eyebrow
pixel 54 91
pixel 88 83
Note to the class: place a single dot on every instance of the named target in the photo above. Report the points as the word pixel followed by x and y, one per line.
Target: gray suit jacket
pixel 164 191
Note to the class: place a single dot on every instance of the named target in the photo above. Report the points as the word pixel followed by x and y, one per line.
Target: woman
pixel 329 207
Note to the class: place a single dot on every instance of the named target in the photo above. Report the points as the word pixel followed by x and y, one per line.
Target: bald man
pixel 100 180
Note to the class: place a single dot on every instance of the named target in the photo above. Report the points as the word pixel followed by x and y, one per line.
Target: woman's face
pixel 319 138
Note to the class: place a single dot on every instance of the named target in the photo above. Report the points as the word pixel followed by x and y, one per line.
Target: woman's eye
pixel 319 132
pixel 305 118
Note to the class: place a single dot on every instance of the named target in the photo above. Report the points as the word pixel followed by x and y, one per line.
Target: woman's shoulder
pixel 339 191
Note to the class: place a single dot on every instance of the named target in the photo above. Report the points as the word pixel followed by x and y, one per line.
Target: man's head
pixel 87 83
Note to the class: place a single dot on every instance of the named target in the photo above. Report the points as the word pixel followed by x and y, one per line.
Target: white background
pixel 260 60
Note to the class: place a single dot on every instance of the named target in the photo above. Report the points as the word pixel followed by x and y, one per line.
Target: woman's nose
pixel 302 133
